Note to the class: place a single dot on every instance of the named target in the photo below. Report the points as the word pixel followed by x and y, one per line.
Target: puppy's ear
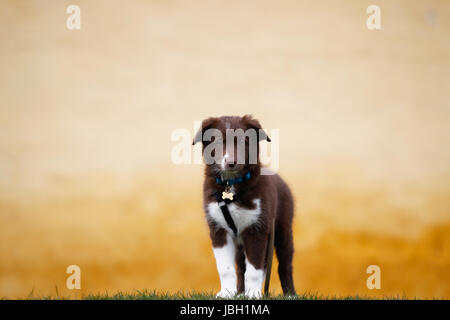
pixel 254 124
pixel 206 124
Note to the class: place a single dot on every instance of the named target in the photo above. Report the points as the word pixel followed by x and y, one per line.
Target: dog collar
pixel 230 182
pixel 224 199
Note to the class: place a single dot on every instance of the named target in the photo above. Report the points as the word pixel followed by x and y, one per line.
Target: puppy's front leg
pixel 255 245
pixel 225 260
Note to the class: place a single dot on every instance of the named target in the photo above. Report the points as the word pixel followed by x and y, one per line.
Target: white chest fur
pixel 242 217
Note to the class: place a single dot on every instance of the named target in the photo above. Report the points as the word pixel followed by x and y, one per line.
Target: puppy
pixel 241 206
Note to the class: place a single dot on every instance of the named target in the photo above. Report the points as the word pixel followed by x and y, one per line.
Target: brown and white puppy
pixel 259 200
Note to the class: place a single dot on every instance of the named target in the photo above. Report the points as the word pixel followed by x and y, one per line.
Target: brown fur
pixel 276 203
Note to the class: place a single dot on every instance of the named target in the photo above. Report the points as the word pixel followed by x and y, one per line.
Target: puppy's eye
pixel 217 140
pixel 242 140
pixel 214 140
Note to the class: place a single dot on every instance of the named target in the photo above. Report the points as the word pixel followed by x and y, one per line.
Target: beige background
pixel 86 118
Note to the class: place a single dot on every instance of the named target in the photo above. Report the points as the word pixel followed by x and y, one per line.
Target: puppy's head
pixel 230 145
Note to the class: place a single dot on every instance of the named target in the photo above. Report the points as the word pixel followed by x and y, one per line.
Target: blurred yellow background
pixel 86 118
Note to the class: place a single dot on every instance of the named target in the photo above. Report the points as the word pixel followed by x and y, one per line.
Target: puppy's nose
pixel 228 162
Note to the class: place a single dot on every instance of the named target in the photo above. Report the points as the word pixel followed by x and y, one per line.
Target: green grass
pixel 194 295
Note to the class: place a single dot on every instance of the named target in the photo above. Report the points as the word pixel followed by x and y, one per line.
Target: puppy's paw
pixel 253 294
pixel 226 294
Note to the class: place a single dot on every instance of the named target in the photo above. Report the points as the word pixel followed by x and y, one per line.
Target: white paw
pixel 253 294
pixel 226 294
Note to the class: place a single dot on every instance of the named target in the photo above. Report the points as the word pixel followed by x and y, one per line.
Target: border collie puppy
pixel 242 205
